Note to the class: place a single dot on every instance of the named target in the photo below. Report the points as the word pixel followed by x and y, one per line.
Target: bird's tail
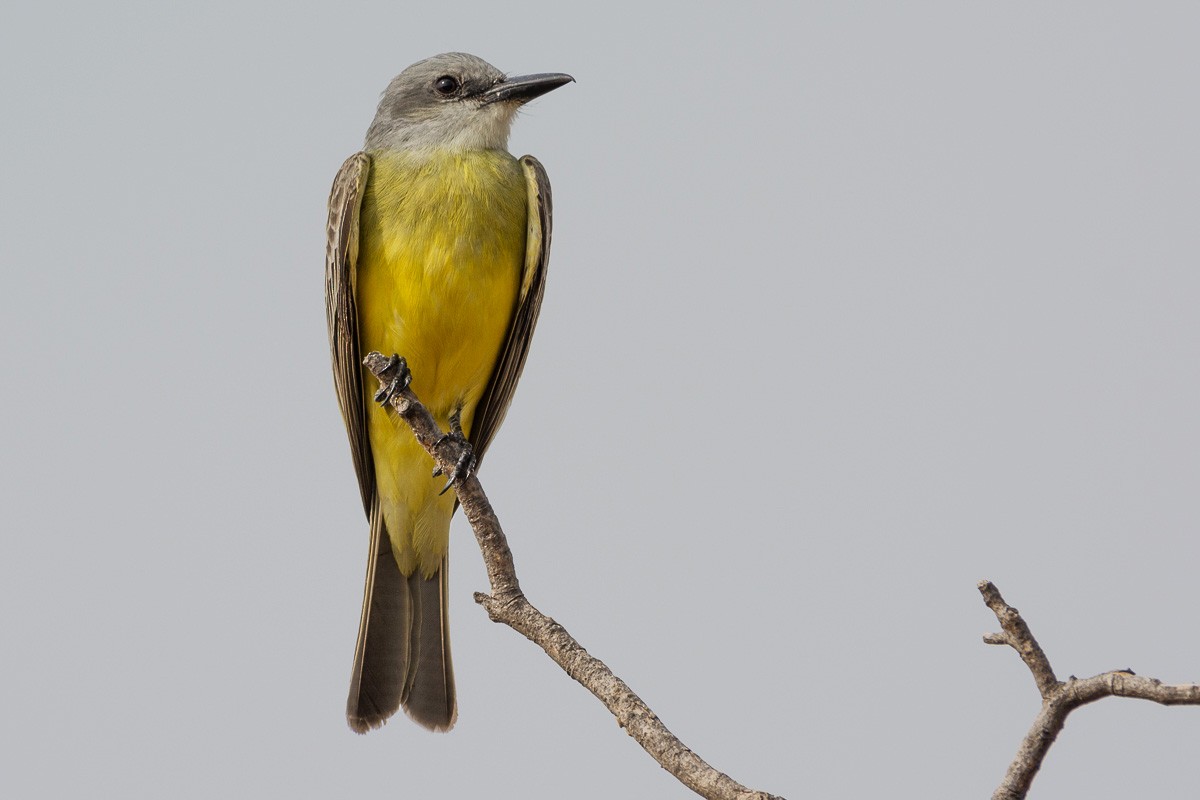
pixel 403 652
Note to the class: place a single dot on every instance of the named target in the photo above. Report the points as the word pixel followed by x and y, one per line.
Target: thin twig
pixel 1060 698
pixel 507 604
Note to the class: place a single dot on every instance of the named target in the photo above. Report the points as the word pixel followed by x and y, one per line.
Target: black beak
pixel 523 88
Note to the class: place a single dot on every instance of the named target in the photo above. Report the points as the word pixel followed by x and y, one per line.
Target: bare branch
pixel 1061 698
pixel 1016 634
pixel 507 604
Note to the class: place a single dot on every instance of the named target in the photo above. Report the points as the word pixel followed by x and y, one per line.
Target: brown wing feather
pixel 341 311
pixel 499 393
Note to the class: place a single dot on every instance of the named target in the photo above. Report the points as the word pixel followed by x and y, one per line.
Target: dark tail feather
pixel 403 652
pixel 384 637
pixel 429 698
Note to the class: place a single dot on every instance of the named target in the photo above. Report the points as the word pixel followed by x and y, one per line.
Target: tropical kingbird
pixel 437 246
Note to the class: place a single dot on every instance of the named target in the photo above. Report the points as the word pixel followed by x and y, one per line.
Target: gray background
pixel 851 305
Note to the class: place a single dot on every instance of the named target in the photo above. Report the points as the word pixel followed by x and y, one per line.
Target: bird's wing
pixel 378 679
pixel 341 255
pixel 494 403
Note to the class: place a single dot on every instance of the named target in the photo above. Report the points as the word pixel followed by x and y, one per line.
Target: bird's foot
pixel 397 367
pixel 466 458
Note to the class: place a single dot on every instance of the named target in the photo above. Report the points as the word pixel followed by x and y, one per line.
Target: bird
pixel 437 246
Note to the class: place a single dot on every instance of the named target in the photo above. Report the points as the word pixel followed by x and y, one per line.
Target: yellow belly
pixel 441 252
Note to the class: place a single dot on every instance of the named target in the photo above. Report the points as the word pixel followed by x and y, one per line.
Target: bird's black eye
pixel 446 85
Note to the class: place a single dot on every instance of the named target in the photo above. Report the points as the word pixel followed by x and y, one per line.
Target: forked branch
pixel 1060 698
pixel 507 604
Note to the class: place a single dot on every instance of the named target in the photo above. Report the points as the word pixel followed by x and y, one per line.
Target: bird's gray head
pixel 455 101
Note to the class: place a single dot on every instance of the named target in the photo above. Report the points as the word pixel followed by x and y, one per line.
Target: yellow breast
pixel 441 254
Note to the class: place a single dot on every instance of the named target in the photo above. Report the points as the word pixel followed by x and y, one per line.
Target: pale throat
pixel 463 129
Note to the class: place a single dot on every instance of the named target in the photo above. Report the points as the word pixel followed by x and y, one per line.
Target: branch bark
pixel 1060 698
pixel 507 604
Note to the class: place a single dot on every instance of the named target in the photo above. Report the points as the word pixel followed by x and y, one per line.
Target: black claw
pixel 462 469
pixel 466 459
pixel 399 382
